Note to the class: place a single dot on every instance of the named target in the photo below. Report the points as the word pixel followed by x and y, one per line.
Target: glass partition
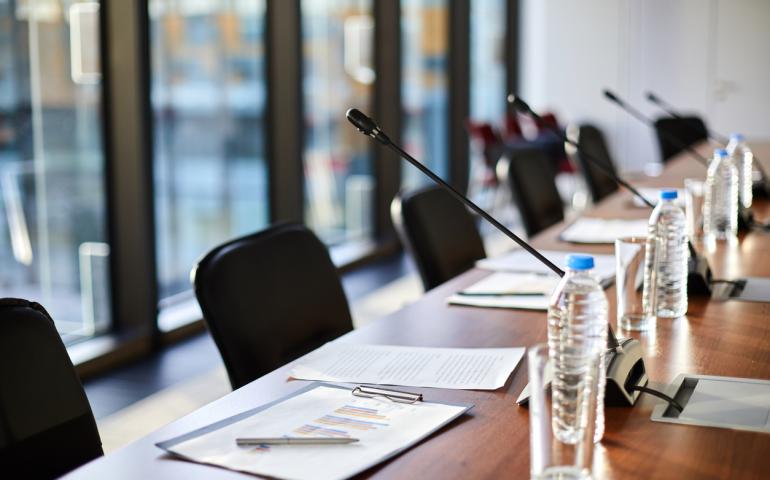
pixel 487 92
pixel 53 225
pixel 208 102
pixel 337 43
pixel 424 86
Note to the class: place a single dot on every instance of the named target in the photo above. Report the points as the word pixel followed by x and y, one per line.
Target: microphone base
pixel 761 189
pixel 745 219
pixel 625 369
pixel 698 276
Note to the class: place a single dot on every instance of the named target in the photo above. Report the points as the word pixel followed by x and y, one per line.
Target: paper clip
pixel 392 395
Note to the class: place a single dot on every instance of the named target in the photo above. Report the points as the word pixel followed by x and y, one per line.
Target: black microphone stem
pixel 489 218
pixel 522 105
pixel 555 130
pixel 670 137
pixel 671 111
pixel 717 137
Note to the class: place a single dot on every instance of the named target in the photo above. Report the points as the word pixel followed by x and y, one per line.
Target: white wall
pixel 683 50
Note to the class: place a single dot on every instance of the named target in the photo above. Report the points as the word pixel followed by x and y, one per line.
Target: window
pixel 487 89
pixel 488 103
pixel 208 102
pixel 424 86
pixel 337 37
pixel 53 232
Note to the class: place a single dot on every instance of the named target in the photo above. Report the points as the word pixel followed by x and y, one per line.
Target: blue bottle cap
pixel 736 136
pixel 580 262
pixel 668 194
pixel 720 152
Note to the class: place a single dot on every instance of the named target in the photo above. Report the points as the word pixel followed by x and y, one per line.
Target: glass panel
pixel 488 61
pixel 487 77
pixel 208 100
pixel 424 90
pixel 53 232
pixel 337 38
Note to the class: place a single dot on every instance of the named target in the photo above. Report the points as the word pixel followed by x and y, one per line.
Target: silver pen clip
pixel 392 395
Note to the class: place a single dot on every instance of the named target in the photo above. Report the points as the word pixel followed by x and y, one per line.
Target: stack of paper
pixel 599 230
pixel 521 261
pixel 528 291
pixel 456 368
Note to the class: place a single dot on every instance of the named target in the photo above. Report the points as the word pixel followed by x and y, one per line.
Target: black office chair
pixel 685 132
pixel 269 298
pixel 531 177
pixel 591 140
pixel 439 232
pixel 47 427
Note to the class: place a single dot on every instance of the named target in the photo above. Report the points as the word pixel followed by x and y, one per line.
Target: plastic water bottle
pixel 665 262
pixel 744 162
pixel 720 207
pixel 577 329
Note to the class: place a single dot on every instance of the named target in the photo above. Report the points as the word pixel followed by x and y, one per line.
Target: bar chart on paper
pixel 345 421
pixel 383 427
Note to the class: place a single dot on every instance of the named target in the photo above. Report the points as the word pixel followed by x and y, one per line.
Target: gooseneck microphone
pixel 717 137
pixel 668 136
pixel 368 127
pixel 523 107
pixel 625 368
pixel 699 273
pixel 671 111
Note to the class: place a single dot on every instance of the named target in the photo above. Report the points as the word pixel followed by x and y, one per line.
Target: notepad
pixel 454 368
pixel 603 231
pixel 511 302
pixel 521 261
pixel 384 429
pixel 504 289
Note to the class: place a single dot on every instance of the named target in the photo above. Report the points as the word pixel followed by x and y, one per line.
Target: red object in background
pixel 544 125
pixel 491 144
pixel 512 127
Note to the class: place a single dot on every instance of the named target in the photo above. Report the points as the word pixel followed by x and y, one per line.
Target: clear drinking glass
pixel 551 458
pixel 693 201
pixel 633 314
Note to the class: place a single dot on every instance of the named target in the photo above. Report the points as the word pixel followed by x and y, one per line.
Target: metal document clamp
pixel 392 395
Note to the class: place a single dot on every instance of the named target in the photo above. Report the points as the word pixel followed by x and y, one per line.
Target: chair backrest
pixel 269 298
pixel 47 427
pixel 439 232
pixel 532 179
pixel 591 141
pixel 685 131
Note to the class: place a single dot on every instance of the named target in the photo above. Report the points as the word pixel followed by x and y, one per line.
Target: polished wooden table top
pixel 730 338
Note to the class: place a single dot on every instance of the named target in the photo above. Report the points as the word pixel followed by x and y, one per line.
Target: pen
pixel 294 441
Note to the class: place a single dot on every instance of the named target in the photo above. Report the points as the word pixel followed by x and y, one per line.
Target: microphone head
pixel 652 97
pixel 363 123
pixel 366 125
pixel 518 103
pixel 611 96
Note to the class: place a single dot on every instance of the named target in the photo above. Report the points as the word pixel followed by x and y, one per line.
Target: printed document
pixel 653 195
pixel 455 368
pixel 384 429
pixel 600 231
pixel 520 260
pixel 504 290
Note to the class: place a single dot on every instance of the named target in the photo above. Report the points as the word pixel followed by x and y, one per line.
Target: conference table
pixel 729 338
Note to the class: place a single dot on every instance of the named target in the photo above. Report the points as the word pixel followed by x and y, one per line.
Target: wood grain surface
pixel 730 338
